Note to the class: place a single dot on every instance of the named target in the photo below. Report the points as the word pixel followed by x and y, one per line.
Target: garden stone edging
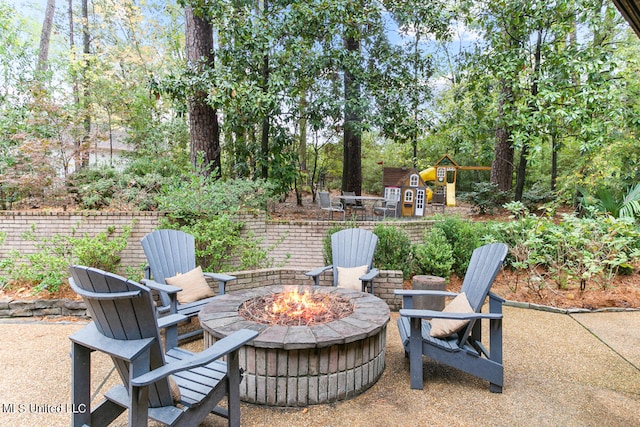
pixel 540 307
pixel 42 308
pixel 75 308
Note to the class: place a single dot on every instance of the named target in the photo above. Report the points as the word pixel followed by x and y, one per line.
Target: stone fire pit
pixel 304 365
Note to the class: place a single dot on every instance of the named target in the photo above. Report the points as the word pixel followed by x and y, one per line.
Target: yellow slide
pixel 451 194
pixel 428 174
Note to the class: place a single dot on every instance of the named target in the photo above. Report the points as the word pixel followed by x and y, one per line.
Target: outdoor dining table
pixel 363 199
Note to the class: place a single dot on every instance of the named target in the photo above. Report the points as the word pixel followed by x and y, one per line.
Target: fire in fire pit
pixel 296 309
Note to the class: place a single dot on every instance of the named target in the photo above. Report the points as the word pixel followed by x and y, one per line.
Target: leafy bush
pixel 205 208
pixel 103 186
pixel 611 201
pixel 486 197
pixel 93 187
pixel 571 251
pixel 394 250
pixel 533 198
pixel 100 251
pixel 219 244
pixel 464 236
pixel 47 268
pixel 196 196
pixel 434 256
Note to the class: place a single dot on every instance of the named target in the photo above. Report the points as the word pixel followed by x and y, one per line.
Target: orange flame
pixel 295 304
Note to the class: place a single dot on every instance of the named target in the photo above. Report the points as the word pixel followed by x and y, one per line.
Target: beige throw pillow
pixel 349 278
pixel 193 284
pixel 175 389
pixel 441 328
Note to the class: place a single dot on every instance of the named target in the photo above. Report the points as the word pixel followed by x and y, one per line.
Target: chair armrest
pixel 90 337
pixel 151 284
pixel 216 351
pixel 318 271
pixel 222 280
pixel 496 298
pixel 373 273
pixel 171 320
pixel 221 277
pixel 413 313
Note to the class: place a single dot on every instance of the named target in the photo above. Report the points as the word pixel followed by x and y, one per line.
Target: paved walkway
pixel 560 370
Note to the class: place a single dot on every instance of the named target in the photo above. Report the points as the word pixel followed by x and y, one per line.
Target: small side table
pixel 431 283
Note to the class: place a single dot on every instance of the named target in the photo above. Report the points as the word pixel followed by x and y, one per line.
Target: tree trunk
pixel 302 146
pixel 203 119
pixel 554 160
pixel 502 166
pixel 524 152
pixel 86 50
pixel 45 36
pixel 352 163
pixel 266 127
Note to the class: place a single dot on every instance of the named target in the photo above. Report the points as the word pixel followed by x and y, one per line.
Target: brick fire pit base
pixel 304 365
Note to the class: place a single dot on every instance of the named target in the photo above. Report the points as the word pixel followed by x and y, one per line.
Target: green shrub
pixel 206 208
pixel 486 197
pixel 571 251
pixel 100 251
pixel 394 250
pixel 435 256
pixel 193 197
pixel 464 236
pixel 47 268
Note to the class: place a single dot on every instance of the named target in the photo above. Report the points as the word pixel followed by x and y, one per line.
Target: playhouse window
pixel 392 193
pixel 413 180
pixel 408 196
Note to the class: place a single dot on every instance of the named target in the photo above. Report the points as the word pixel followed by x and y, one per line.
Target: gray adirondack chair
pixel 352 247
pixel 325 204
pixel 125 326
pixel 172 252
pixel 463 350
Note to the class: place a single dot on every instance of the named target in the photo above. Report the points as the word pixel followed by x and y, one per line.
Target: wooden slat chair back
pixel 463 350
pixel 353 247
pixel 169 253
pixel 125 312
pixel 125 327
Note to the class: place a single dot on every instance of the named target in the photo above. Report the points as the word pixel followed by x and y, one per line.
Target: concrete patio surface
pixel 560 370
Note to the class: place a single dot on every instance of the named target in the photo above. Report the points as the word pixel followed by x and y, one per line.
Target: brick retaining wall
pixel 295 246
pixel 48 224
pixel 291 244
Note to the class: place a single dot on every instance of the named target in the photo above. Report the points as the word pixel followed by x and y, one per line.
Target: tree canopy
pixel 321 92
